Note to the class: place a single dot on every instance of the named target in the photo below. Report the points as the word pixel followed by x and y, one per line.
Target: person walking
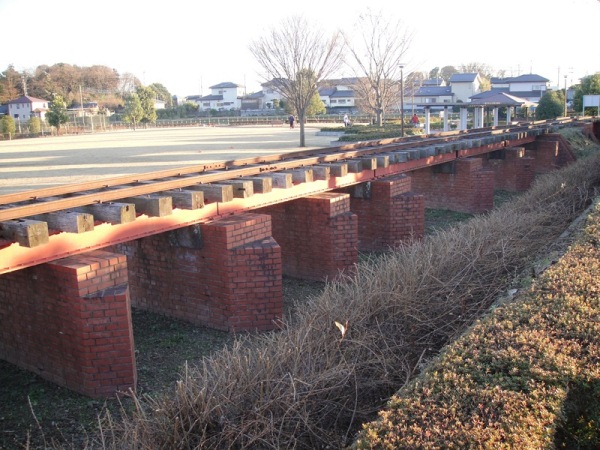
pixel 346 121
pixel 291 120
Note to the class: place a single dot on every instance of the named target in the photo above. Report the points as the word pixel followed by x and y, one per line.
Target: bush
pixel 526 377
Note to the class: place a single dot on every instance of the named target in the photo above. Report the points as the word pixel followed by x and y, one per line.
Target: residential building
pixel 530 87
pixel 225 96
pixel 25 107
pixel 265 99
pixel 431 93
pixel 464 86
pixel 338 96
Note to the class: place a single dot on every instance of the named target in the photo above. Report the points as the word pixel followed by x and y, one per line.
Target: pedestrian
pixel 346 121
pixel 415 120
pixel 291 119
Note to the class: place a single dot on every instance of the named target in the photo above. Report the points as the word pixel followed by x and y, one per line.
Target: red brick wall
pixel 70 322
pixel 468 188
pixel 318 235
pixel 224 274
pixel 551 152
pixel 513 171
pixel 389 214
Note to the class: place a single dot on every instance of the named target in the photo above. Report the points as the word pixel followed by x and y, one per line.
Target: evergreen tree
pixel 551 105
pixel 134 112
pixel 7 126
pixel 57 115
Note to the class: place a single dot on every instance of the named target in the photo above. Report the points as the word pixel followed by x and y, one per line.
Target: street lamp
pixel 401 100
pixel 565 95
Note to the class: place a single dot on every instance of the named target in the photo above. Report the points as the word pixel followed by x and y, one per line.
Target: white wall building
pixel 223 97
pixel 464 86
pixel 25 107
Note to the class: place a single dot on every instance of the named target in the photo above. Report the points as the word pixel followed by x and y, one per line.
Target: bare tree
pixel 378 47
pixel 296 56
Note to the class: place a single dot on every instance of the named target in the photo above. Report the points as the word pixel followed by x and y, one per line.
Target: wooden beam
pixel 261 185
pixel 338 169
pixel 186 199
pixel 301 175
pixel 321 172
pixel 153 205
pixel 27 233
pixel 114 213
pixel 241 188
pixel 215 192
pixel 67 221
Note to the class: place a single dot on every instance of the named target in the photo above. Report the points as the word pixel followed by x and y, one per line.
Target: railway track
pixel 78 217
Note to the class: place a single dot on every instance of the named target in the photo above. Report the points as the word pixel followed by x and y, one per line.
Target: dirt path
pixel 27 164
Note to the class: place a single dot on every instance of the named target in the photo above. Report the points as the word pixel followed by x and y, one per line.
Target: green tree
pixel 57 115
pixel 590 85
pixel 298 55
pixel 147 96
pixel 316 105
pixel 551 105
pixel 134 112
pixel 34 124
pixel 161 93
pixel 7 126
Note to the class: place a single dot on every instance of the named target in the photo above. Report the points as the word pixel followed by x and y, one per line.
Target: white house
pixel 338 96
pixel 432 93
pixel 223 97
pixel 464 86
pixel 265 98
pixel 25 107
pixel 530 87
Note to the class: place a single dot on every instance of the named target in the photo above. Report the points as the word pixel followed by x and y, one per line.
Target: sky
pixel 189 45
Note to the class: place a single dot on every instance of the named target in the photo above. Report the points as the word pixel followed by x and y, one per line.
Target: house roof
pixel 326 92
pixel 433 90
pixel 226 84
pixel 346 93
pixel 500 98
pixel 211 97
pixel 433 82
pixel 463 77
pixel 254 95
pixel 526 78
pixel 490 93
pixel 27 99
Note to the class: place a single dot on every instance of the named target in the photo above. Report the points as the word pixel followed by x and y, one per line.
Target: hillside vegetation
pixel 346 352
pixel 527 376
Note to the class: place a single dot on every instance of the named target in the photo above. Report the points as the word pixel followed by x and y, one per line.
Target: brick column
pixel 513 171
pixel 318 235
pixel 551 152
pixel 463 185
pixel 69 321
pixel 225 274
pixel 388 213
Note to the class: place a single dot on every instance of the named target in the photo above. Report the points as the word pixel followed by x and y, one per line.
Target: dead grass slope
pixel 313 383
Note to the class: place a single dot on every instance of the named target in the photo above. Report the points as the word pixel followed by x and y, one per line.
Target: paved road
pixel 27 164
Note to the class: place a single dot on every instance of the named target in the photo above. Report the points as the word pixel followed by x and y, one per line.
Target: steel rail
pixel 40 201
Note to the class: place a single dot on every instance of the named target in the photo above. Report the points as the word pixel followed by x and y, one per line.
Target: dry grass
pixel 312 384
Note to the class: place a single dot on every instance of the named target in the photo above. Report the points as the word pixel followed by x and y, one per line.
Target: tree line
pixel 296 55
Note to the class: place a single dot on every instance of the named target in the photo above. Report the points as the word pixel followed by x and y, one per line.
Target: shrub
pixel 527 376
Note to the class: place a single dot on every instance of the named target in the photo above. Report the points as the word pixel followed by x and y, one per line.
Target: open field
pixel 27 164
